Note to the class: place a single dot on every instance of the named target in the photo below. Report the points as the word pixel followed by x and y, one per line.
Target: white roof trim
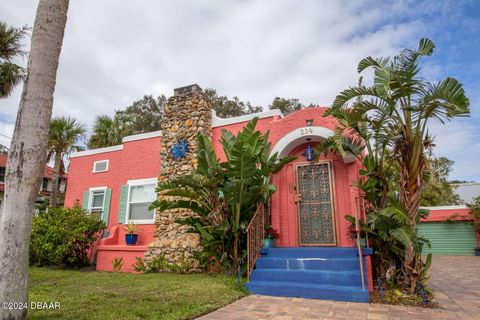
pixel 96 151
pixel 446 207
pixel 141 136
pixel 220 122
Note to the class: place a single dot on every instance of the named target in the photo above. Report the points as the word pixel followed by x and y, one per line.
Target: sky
pixel 115 51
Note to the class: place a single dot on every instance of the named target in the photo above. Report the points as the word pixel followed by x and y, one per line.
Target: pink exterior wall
pixel 284 209
pixel 439 214
pixel 140 159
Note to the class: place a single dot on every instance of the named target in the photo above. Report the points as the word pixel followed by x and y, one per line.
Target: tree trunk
pixel 28 152
pixel 411 183
pixel 55 176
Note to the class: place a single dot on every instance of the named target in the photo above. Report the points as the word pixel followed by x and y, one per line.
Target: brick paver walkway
pixel 456 281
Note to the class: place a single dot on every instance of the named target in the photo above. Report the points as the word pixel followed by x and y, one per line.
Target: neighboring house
pixel 467 191
pixel 45 188
pixel 316 257
pixel 450 230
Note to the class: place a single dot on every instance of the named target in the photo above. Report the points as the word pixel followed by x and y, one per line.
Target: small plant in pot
pixel 270 236
pixel 131 237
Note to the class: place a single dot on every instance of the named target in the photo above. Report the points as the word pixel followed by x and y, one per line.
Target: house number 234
pixel 305 131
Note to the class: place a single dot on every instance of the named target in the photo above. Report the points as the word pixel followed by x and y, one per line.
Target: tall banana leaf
pixel 392 117
pixel 224 195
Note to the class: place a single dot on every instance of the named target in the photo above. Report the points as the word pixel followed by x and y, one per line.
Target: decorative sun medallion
pixel 179 149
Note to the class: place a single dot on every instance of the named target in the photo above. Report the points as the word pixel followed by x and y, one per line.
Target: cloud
pixel 458 140
pixel 115 51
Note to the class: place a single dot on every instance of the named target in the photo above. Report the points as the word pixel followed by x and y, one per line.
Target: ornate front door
pixel 315 205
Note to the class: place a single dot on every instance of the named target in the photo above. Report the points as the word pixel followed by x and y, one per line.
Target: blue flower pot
pixel 131 239
pixel 269 243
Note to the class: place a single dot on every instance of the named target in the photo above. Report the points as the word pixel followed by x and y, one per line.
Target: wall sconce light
pixel 309 122
pixel 309 152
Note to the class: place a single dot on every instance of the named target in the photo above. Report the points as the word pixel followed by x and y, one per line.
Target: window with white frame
pixel 141 194
pixel 97 201
pixel 100 166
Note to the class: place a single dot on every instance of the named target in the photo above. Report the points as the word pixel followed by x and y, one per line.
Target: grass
pixel 104 295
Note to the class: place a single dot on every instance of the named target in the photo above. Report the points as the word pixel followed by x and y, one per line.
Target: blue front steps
pixel 319 273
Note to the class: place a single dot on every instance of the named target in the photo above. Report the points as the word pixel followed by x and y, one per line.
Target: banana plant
pixel 391 117
pixel 224 195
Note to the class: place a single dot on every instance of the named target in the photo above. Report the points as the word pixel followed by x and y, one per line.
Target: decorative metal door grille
pixel 315 207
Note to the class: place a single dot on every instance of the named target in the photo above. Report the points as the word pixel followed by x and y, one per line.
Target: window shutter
pixel 86 194
pixel 106 206
pixel 122 213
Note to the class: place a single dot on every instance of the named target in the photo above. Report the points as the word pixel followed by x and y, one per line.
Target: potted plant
pixel 131 237
pixel 270 236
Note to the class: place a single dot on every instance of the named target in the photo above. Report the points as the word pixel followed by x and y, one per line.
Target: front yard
pixel 102 295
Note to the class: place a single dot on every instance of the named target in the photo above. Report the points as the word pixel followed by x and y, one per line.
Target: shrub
pixel 117 264
pixel 160 264
pixel 139 265
pixel 476 213
pixel 63 236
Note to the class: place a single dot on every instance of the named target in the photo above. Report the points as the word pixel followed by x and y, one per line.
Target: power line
pixel 4 135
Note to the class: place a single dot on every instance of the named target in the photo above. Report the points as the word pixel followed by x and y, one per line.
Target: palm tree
pixel 27 156
pixel 10 47
pixel 63 138
pixel 109 131
pixel 402 104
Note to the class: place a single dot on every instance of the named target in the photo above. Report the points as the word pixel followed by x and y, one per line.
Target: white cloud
pixel 115 50
pixel 458 141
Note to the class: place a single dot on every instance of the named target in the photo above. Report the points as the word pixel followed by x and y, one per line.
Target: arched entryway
pixel 312 198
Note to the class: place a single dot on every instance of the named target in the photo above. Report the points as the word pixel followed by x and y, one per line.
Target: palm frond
pixel 402 235
pixel 342 99
pixel 370 62
pixel 444 100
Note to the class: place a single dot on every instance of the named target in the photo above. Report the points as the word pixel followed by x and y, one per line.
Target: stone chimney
pixel 188 89
pixel 187 113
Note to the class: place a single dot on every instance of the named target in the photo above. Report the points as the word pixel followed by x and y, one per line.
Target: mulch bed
pixel 397 297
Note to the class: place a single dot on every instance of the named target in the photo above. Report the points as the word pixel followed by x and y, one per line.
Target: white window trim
pixel 139 182
pixel 95 163
pixel 90 197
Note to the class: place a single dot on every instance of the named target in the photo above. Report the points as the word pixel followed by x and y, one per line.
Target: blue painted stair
pixel 320 273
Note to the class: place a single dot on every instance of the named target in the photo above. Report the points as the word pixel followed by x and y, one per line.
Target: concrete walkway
pixel 456 281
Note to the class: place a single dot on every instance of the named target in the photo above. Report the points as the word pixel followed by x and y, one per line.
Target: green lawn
pixel 103 295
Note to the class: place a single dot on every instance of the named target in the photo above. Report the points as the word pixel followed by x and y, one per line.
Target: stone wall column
pixel 186 114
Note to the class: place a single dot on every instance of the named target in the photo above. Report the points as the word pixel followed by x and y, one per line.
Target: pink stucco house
pixel 308 210
pixel 106 180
